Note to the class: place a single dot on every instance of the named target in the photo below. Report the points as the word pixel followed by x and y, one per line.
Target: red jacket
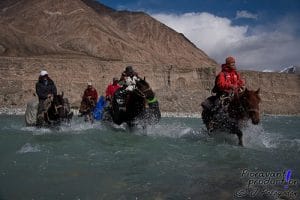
pixel 111 89
pixel 91 93
pixel 228 80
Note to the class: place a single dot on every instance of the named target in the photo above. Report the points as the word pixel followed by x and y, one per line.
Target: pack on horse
pixel 57 111
pixel 139 105
pixel 231 111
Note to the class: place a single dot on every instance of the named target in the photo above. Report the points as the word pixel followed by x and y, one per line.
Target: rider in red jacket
pixel 229 80
pixel 90 93
pixel 111 89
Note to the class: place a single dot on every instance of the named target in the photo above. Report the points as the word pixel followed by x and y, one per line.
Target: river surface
pixel 175 159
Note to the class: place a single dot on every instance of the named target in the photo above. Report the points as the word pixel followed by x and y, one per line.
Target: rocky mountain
pixel 78 41
pixel 88 28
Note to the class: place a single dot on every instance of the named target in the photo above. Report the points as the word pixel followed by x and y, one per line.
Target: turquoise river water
pixel 175 159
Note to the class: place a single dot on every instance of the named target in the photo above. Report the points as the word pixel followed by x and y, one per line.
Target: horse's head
pixel 145 89
pixel 58 105
pixel 250 100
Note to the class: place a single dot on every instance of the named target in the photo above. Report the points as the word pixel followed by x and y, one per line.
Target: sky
pixel 260 34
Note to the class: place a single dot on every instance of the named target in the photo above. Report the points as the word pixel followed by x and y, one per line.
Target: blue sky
pixel 261 34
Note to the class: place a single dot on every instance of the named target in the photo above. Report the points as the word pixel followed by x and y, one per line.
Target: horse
pixel 58 111
pixel 137 106
pixel 86 109
pixel 240 108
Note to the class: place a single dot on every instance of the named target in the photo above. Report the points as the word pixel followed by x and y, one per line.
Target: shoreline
pixel 21 111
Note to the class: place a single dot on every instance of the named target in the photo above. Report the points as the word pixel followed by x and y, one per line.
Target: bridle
pixel 57 107
pixel 142 94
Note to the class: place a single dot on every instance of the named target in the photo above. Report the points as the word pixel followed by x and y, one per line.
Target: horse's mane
pixel 58 98
pixel 253 93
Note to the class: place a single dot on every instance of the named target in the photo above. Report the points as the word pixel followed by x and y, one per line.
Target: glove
pixel 130 88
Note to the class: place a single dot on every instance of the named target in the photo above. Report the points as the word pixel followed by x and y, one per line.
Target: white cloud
pixel 218 37
pixel 245 14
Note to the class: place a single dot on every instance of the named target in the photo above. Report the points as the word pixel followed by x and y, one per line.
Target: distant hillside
pixel 86 27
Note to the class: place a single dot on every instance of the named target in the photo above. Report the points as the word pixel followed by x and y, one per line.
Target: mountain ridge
pixel 90 28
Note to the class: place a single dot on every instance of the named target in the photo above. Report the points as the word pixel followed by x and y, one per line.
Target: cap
pixel 43 73
pixel 129 69
pixel 230 59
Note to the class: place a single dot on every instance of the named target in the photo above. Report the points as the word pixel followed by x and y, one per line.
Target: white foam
pixel 12 111
pixel 174 130
pixel 254 136
pixel 181 114
pixel 28 148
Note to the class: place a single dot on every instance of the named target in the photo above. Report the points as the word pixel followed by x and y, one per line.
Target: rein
pixel 154 100
pixel 56 107
pixel 142 94
pixel 146 90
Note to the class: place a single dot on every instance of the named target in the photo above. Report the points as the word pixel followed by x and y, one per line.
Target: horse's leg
pixel 234 129
pixel 207 118
pixel 86 117
pixel 239 133
pixel 46 118
pixel 240 136
pixel 91 118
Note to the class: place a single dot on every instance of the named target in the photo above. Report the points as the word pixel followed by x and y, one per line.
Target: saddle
pixel 120 97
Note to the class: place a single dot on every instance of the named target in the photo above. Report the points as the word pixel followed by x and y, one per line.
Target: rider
pixel 45 89
pixel 228 82
pixel 129 78
pixel 90 95
pixel 111 89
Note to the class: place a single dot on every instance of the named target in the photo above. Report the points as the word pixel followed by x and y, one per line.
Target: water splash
pixel 175 130
pixel 29 148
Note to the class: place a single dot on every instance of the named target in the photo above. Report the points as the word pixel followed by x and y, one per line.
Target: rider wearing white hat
pixel 45 89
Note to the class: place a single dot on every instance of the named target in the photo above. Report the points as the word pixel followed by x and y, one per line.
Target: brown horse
pixel 241 107
pixel 86 109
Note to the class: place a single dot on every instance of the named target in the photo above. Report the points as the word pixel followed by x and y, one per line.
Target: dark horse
pixel 137 106
pixel 58 111
pixel 242 107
